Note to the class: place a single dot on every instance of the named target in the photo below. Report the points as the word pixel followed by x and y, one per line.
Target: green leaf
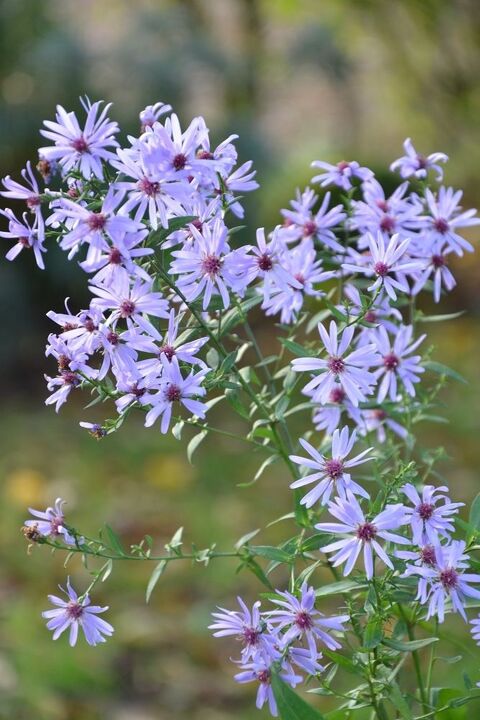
pixel 409 646
pixel 442 369
pixel 272 553
pixel 373 634
pixel 474 517
pixel 154 578
pixel 290 705
pixel 345 662
pixel 114 540
pixel 245 538
pixel 438 318
pixel 297 349
pixel 398 700
pixel 194 443
pixel 337 588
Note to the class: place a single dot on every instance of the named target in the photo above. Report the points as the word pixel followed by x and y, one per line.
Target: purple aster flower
pixel 340 369
pixel 50 523
pixel 304 659
pixel 340 174
pixel 447 581
pixel 378 420
pixel 430 520
pixel 133 390
pixel 378 214
pixel 149 115
pixel 330 472
pixel 413 163
pixel 117 259
pixel 302 222
pixel 26 236
pixel 249 627
pixel 131 303
pixel 29 193
pixel 208 266
pixel 172 345
pixel 77 613
pixel 91 227
pixel 423 556
pixel 385 264
pixel 361 534
pixel 395 365
pixel 437 271
pixel 261 672
pixel 380 312
pixel 174 388
pixel 446 218
pixel 241 180
pixel 266 262
pixel 328 417
pixel 302 265
pixel 299 618
pixel 476 632
pixel 77 148
pixel 81 333
pixel 171 150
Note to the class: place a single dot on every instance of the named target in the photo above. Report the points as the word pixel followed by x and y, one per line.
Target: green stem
pixel 416 660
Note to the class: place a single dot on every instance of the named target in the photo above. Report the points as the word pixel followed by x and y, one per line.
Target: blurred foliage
pixel 298 80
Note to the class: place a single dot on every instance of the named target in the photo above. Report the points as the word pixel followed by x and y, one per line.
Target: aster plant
pixel 374 559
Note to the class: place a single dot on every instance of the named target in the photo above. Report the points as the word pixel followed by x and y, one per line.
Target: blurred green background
pixel 298 81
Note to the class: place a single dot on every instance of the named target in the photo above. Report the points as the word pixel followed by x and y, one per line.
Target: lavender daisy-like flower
pixel 436 270
pixel 347 370
pixel 29 193
pixel 378 420
pixel 81 148
pixel 74 613
pixel 476 632
pixel 361 534
pixel 395 364
pixel 384 263
pixel 50 522
pixel 131 303
pixel 330 472
pixel 447 580
pixel 377 213
pixel 249 627
pixel 266 262
pixel 261 672
pixel 416 164
pixel 446 218
pixel 428 519
pixel 299 618
pixel 26 236
pixel 208 266
pixel 302 222
pixel 174 388
pixel 151 113
pixel 340 174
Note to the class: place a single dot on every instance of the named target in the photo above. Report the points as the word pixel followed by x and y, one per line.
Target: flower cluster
pixel 285 641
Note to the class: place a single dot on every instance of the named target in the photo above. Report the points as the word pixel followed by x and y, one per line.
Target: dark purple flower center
pixel 337 395
pixel 179 161
pixel 427 555
pixel 334 468
pixel 33 201
pixel 449 578
pixel 115 256
pixel 425 510
pixel 127 308
pixel 137 391
pixel 265 262
pixel 382 205
pixel 168 351
pixel 439 261
pixel 80 144
pixel 343 165
pixel 148 187
pixel 96 221
pixel 69 326
pixel 379 414
pixel 25 242
pixel 370 316
pixel 381 268
pixel 264 676
pixel 391 361
pixel 310 227
pixel 69 378
pixel 56 523
pixel 441 225
pixel 422 162
pixel 335 364
pixel 197 224
pixel 204 155
pixel 387 223
pixel 74 610
pixel 250 636
pixel 112 337
pixel 211 265
pixel 89 325
pixel 173 393
pixel 366 532
pixel 300 278
pixel 303 620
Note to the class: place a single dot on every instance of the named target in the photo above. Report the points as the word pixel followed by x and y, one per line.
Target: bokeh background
pixel 298 80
